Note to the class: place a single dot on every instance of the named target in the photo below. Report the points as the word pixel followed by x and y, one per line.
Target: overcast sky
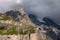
pixel 41 8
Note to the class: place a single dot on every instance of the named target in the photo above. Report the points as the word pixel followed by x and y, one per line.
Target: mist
pixel 40 8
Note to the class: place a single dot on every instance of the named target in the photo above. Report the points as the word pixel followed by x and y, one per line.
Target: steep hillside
pixel 14 20
pixel 19 22
pixel 47 28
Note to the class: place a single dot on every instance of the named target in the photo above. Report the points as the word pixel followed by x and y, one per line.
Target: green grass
pixel 25 30
pixel 2 29
pixel 1 32
pixel 21 32
pixel 5 18
pixel 12 31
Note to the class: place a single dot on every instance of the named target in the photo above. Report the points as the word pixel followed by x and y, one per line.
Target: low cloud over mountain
pixel 40 8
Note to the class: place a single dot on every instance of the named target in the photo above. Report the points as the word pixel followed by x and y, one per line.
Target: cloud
pixel 18 1
pixel 40 8
pixel 6 5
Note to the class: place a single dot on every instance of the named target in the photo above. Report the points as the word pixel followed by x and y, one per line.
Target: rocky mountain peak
pixel 18 15
pixel 21 10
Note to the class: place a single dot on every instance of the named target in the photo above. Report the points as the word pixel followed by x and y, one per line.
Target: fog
pixel 41 8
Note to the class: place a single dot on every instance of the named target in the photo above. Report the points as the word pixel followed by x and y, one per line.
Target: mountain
pixel 16 21
pixel 16 15
pixel 34 19
pixel 52 29
pixel 50 22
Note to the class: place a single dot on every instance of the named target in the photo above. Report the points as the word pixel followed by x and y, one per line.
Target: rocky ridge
pixel 17 19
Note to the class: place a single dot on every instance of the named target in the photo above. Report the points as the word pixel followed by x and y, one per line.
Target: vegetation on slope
pixel 12 31
pixel 5 18
pixel 27 29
